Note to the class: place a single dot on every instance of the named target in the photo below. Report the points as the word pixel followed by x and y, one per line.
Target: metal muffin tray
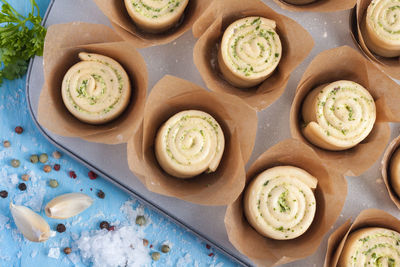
pixel 329 30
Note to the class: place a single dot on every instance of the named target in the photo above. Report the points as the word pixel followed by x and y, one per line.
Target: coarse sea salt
pixel 121 247
pixel 54 253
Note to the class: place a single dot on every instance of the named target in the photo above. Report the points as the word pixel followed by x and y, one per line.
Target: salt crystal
pixel 3 221
pixel 74 258
pixel 121 247
pixel 19 254
pixel 13 179
pixel 34 253
pixel 54 253
pixel 185 261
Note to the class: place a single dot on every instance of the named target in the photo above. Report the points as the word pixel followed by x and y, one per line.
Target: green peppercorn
pixel 140 220
pixel 34 159
pixel 15 163
pixel 53 183
pixel 43 158
pixel 155 256
pixel 165 248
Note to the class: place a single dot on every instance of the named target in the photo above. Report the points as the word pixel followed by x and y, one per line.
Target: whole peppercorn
pixel 6 143
pixel 15 163
pixel 56 167
pixel 19 130
pixel 165 249
pixel 3 194
pixel 101 194
pixel 56 155
pixel 61 228
pixel 34 159
pixel 22 186
pixel 140 220
pixel 145 242
pixel 43 158
pixel 92 175
pixel 25 177
pixel 155 256
pixel 67 250
pixel 104 225
pixel 47 168
pixel 53 183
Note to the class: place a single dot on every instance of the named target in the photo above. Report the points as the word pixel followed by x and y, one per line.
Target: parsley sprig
pixel 20 39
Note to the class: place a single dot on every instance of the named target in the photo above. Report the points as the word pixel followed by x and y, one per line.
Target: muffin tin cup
pixel 209 28
pixel 390 66
pixel 62 45
pixel 345 63
pixel 330 197
pixel 367 218
pixel 318 6
pixel 385 168
pixel 239 125
pixel 123 25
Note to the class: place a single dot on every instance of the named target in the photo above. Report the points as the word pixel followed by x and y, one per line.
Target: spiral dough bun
pixel 189 143
pixel 381 27
pixel 96 90
pixel 280 203
pixel 371 246
pixel 156 16
pixel 250 51
pixel 338 115
pixel 395 171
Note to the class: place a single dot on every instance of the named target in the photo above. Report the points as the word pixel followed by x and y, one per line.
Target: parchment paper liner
pixel 367 218
pixel 391 66
pixel 345 63
pixel 239 124
pixel 386 161
pixel 123 25
pixel 330 197
pixel 62 45
pixel 319 6
pixel 296 45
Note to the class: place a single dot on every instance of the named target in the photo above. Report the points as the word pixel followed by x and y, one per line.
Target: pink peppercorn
pixel 92 175
pixel 56 167
pixel 72 174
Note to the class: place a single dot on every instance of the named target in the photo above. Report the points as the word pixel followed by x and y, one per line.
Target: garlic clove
pixel 32 226
pixel 68 205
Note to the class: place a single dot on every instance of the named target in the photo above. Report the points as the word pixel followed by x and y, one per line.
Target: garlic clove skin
pixel 32 226
pixel 68 205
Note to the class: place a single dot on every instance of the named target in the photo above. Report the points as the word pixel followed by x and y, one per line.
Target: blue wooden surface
pixel 187 250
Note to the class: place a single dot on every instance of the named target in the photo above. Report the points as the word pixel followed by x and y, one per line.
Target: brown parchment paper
pixel 330 197
pixel 239 124
pixel 116 12
pixel 296 45
pixel 391 66
pixel 345 63
pixel 385 166
pixel 367 218
pixel 62 45
pixel 319 6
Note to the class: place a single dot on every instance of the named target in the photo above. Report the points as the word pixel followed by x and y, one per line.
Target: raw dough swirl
pixel 250 51
pixel 339 115
pixel 156 15
pixel 279 203
pixel 97 89
pixel 371 246
pixel 189 143
pixel 381 27
pixel 395 171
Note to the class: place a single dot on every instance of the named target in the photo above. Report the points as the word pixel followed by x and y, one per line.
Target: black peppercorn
pixel 61 228
pixel 104 225
pixel 101 194
pixel 22 186
pixel 3 194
